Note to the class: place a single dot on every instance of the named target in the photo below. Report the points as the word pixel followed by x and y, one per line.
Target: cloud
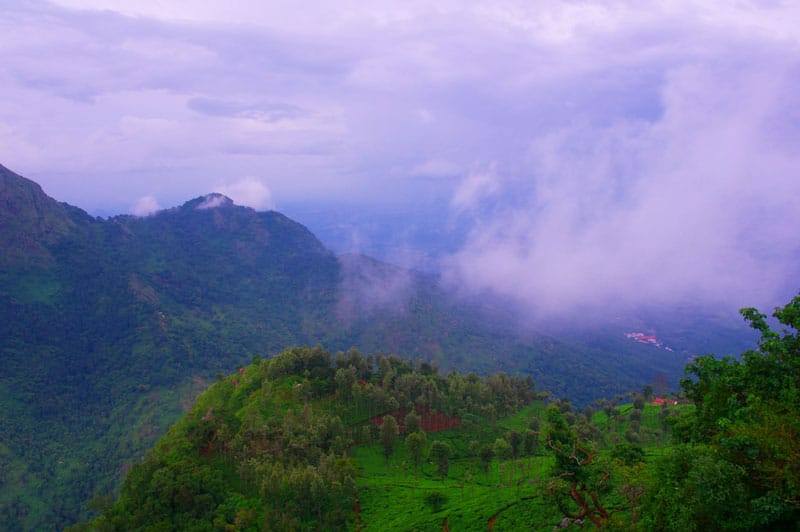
pixel 212 201
pixel 474 189
pixel 367 286
pixel 700 204
pixel 145 206
pixel 267 112
pixel 590 146
pixel 249 192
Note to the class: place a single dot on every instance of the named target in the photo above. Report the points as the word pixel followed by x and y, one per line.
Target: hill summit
pixel 30 221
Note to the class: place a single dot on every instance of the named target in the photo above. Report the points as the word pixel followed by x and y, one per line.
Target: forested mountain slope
pixel 311 441
pixel 110 327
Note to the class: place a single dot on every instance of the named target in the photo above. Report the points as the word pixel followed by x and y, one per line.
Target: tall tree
pixel 389 435
pixel 514 439
pixel 485 454
pixel 580 480
pixel 440 455
pixel 411 421
pixel 415 442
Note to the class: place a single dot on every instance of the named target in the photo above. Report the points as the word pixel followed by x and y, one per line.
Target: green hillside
pixel 110 328
pixel 311 441
pixel 303 441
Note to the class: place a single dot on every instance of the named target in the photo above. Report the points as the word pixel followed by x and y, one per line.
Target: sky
pixel 588 152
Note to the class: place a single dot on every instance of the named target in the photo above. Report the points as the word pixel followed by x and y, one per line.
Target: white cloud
pixel 249 192
pixel 212 201
pixel 700 204
pixel 474 189
pixel 145 206
pixel 607 126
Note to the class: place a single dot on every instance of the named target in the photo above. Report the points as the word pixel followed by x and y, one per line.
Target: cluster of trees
pixel 737 462
pixel 253 450
pixel 734 459
pixel 270 443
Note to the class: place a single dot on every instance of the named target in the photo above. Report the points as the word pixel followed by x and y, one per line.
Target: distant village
pixel 643 338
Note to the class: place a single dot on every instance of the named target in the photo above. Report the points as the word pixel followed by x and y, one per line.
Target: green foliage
pixel 411 422
pixel 440 455
pixel 694 488
pixel 436 500
pixel 282 442
pixel 268 445
pixel 219 464
pixel 530 442
pixel 389 434
pixel 502 449
pixel 486 453
pixel 627 452
pixel 415 443
pixel 514 439
pixel 748 412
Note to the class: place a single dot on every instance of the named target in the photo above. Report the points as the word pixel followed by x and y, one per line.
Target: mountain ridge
pixel 30 219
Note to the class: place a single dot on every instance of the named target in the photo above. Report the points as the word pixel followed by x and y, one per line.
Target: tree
pixel 502 449
pixel 412 421
pixel 647 392
pixel 440 455
pixel 579 479
pixel 660 384
pixel 627 452
pixel 748 412
pixel 415 442
pixel 638 403
pixel 389 434
pixel 514 439
pixel 530 442
pixel 344 379
pixel 485 454
pixel 694 488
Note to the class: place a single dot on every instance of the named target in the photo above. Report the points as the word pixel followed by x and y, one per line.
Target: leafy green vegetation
pixel 309 441
pixel 278 441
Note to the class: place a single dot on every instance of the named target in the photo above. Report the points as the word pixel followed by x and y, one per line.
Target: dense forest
pixel 308 440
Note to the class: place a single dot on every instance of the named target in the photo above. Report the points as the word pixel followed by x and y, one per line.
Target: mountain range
pixel 111 326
